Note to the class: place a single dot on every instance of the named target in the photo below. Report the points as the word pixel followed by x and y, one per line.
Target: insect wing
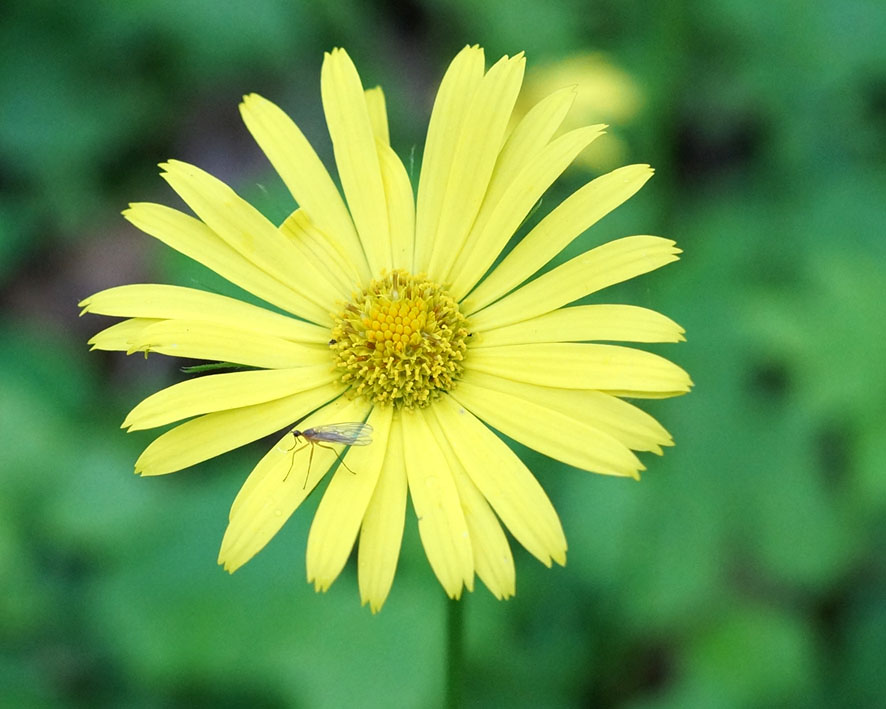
pixel 347 434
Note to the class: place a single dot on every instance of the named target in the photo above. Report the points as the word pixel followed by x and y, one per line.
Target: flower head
pixel 382 309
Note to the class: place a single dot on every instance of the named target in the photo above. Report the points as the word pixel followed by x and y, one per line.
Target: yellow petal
pixel 624 323
pixel 476 151
pixel 569 219
pixel 623 371
pixel 213 434
pixel 120 337
pixel 548 431
pixel 298 165
pixel 528 138
pixel 327 254
pixel 222 343
pixel 197 241
pixel 492 554
pixel 382 530
pixel 344 504
pixel 441 522
pixel 355 155
pixel 505 481
pixel 378 114
pixel 250 234
pixel 491 233
pixel 593 270
pixel 623 421
pixel 175 302
pixel 401 207
pixel 218 392
pixel 279 484
pixel 454 97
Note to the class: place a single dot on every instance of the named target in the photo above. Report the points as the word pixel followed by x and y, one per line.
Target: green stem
pixel 454 653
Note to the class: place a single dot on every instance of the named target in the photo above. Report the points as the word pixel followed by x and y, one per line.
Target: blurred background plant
pixel 604 93
pixel 745 570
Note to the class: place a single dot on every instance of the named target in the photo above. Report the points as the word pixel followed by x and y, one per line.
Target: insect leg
pixel 292 459
pixel 310 460
pixel 339 456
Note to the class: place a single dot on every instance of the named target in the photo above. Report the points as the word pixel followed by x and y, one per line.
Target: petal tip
pixel 129 213
pixel 375 604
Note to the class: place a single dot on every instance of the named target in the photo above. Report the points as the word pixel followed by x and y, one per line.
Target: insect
pixel 346 434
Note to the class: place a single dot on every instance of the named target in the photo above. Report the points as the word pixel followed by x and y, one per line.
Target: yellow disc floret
pixel 401 341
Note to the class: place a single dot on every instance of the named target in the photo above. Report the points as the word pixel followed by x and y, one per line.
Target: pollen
pixel 400 341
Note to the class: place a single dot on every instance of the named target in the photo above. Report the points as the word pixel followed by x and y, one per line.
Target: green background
pixel 745 570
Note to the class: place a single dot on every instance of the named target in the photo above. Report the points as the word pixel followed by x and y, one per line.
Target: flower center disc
pixel 401 341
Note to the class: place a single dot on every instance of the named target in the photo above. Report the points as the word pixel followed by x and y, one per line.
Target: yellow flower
pixel 382 314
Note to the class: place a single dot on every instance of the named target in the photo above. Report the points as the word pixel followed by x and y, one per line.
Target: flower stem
pixel 454 652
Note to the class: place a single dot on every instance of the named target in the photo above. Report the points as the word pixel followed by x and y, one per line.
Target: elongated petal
pixel 623 371
pixel 343 507
pixel 454 97
pixel 250 234
pixel 303 173
pixel 593 270
pixel 197 241
pixel 119 337
pixel 505 481
pixel 528 138
pixel 492 554
pixel 218 392
pixel 441 522
pixel 476 151
pixel 489 237
pixel 382 530
pixel 177 303
pixel 548 431
pixel 622 323
pixel 213 434
pixel 278 485
pixel 222 343
pixel 578 212
pixel 623 421
pixel 378 113
pixel 356 156
pixel 401 207
pixel 327 254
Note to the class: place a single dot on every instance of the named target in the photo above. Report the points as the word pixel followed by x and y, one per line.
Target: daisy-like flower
pixel 384 308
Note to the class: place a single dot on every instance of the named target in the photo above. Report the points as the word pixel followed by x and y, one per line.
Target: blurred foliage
pixel 745 570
